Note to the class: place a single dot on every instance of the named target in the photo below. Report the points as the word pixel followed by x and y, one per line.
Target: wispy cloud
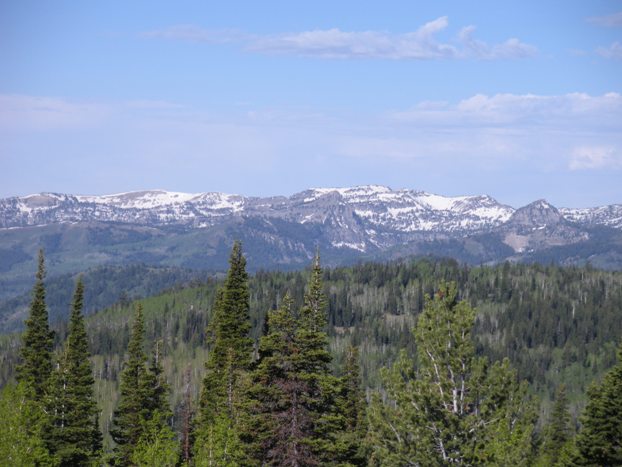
pixel 24 112
pixel 190 32
pixel 614 51
pixel 482 134
pixel 595 157
pixel 611 21
pixel 421 44
pixel 513 110
pixel 574 131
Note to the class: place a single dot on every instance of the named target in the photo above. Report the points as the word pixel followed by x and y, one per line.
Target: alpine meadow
pixel 308 234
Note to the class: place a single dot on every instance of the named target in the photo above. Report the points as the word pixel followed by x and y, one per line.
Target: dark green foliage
pixel 156 388
pixel 140 421
pixel 301 408
pixel 557 325
pixel 558 431
pixel 73 435
pixel 134 398
pixel 224 391
pixel 37 340
pixel 284 422
pixel 349 443
pixel 229 342
pixel 600 440
pixel 104 286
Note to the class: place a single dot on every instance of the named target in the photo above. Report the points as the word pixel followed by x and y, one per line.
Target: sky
pixel 520 100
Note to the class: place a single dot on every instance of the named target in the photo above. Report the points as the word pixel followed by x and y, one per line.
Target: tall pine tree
pixel 283 423
pixel 301 411
pixel 225 384
pixel 37 341
pixel 134 398
pixel 349 445
pixel 557 432
pixel 230 343
pixel 312 368
pixel 73 435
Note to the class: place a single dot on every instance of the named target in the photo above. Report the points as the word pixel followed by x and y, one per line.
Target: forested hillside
pixel 556 325
pixel 104 286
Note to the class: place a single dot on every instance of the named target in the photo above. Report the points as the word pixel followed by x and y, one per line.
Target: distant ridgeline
pixel 557 325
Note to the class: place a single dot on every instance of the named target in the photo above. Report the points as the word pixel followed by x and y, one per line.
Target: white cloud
pixel 421 44
pixel 511 48
pixel 520 110
pixel 533 132
pixel 190 32
pixel 524 132
pixel 614 51
pixel 595 157
pixel 611 21
pixel 24 112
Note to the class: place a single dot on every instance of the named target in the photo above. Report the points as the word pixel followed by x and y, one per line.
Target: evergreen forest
pixel 421 362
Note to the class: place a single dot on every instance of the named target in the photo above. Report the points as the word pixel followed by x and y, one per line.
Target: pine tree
pixel 224 392
pixel 37 341
pixel 600 440
pixel 73 435
pixel 312 362
pixel 133 403
pixel 557 433
pixel 187 428
pixel 452 407
pixel 230 339
pixel 283 421
pixel 141 430
pixel 156 388
pixel 351 407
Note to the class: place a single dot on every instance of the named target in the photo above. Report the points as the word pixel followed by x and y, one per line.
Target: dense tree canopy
pixel 285 361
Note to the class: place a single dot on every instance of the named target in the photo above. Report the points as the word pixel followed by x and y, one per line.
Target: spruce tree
pixel 230 344
pixel 156 388
pixel 558 431
pixel 37 341
pixel 283 422
pixel 312 369
pixel 224 391
pixel 349 445
pixel 134 397
pixel 600 440
pixel 187 415
pixel 73 435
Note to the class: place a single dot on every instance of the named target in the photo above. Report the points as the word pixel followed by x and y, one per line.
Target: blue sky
pixel 519 100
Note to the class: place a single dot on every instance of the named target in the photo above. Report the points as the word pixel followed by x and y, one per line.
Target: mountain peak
pixel 539 213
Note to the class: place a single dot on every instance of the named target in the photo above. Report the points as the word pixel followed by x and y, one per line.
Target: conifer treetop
pixel 37 340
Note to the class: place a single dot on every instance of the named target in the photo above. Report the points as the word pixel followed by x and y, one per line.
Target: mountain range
pixel 195 230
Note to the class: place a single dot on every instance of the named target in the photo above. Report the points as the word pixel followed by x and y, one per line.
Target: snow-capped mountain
pixel 610 216
pixel 195 230
pixel 374 206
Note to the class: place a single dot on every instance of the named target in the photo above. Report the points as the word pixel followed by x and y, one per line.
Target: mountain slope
pixel 195 230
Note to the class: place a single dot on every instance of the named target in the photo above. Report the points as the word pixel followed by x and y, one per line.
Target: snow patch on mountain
pixel 609 216
pixel 140 199
pixel 346 212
